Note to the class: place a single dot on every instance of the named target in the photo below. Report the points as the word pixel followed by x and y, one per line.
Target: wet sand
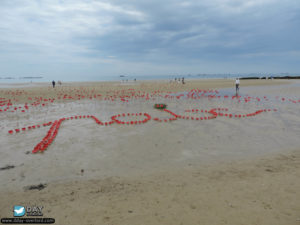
pixel 261 191
pixel 219 171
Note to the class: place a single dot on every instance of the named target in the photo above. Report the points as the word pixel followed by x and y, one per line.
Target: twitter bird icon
pixel 19 210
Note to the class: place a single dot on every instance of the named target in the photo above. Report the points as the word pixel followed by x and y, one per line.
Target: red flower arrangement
pixel 160 106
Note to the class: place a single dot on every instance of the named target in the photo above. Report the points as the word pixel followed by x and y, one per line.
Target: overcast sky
pixel 74 39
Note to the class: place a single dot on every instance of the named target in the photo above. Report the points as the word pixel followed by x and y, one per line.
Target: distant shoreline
pixel 271 77
pixel 131 78
pixel 189 84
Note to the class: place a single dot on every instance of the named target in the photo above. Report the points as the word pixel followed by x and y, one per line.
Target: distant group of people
pixel 123 80
pixel 53 83
pixel 178 80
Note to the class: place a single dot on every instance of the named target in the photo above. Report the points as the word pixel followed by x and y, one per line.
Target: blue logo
pixel 19 210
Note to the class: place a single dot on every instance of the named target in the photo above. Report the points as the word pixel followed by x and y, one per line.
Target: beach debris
pixel 35 187
pixel 7 167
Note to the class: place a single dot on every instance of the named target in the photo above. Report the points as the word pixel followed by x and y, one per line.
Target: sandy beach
pixel 176 167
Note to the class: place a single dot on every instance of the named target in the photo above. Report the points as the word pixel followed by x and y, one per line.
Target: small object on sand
pixel 82 170
pixel 7 167
pixel 35 187
pixel 160 106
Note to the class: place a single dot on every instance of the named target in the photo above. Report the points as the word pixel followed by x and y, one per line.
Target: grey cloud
pixel 171 31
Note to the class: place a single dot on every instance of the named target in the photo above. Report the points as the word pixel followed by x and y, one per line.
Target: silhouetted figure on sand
pixel 237 86
pixel 53 84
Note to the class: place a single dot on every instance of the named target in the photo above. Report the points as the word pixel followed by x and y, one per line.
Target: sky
pixel 88 39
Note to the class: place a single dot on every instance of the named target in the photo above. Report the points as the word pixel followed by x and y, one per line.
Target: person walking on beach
pixel 53 84
pixel 183 80
pixel 237 86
